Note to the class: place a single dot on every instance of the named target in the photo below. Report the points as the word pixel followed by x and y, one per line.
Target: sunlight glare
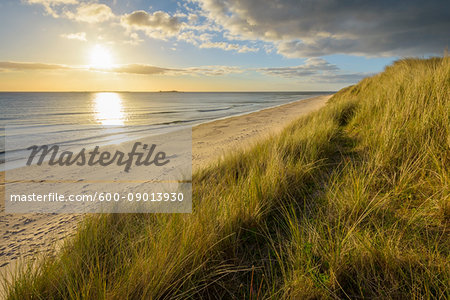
pixel 108 109
pixel 101 58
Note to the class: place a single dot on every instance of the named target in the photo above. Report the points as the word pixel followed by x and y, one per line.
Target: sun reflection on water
pixel 108 109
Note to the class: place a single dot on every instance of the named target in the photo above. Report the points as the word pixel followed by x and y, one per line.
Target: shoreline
pixel 205 121
pixel 24 235
pixel 261 109
pixel 221 135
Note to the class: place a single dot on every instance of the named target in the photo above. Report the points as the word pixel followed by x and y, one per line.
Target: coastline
pixel 23 236
pixel 210 140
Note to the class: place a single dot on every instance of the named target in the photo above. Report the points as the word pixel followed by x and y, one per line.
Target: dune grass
pixel 350 201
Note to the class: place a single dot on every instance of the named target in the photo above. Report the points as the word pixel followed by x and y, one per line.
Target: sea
pixel 83 119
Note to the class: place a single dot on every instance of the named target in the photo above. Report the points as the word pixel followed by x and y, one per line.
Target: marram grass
pixel 351 201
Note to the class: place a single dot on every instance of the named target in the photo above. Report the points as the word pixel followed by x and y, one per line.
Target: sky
pixel 211 45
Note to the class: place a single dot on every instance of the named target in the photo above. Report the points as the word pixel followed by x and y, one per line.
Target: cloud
pixel 305 28
pixel 73 9
pixel 317 47
pixel 139 69
pixel 340 78
pixel 211 70
pixel 315 70
pixel 228 46
pixel 91 13
pixel 161 25
pixel 292 28
pixel 158 24
pixel 81 36
pixel 9 65
pixel 134 39
pixel 312 66
pixel 50 5
pixel 143 69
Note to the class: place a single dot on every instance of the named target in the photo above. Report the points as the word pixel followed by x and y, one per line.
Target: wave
pixel 214 109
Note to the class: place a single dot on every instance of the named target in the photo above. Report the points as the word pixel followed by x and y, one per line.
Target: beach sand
pixel 210 140
pixel 22 236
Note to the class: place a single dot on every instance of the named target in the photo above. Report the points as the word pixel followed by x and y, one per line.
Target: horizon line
pixel 168 91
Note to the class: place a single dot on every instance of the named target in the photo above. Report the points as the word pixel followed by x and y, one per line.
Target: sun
pixel 101 58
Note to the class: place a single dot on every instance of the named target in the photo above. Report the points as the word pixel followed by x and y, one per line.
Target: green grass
pixel 350 201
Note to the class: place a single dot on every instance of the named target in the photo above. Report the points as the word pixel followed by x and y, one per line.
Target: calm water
pixel 84 118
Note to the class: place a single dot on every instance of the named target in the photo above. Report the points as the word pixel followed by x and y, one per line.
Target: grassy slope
pixel 349 201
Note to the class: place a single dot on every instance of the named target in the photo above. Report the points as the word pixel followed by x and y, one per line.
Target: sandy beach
pixel 24 235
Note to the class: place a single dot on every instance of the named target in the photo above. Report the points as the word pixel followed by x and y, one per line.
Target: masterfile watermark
pixel 95 157
pixel 152 173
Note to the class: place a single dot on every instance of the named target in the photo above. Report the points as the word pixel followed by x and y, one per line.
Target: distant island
pixel 173 91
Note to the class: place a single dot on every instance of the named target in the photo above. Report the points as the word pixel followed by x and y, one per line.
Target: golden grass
pixel 351 201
